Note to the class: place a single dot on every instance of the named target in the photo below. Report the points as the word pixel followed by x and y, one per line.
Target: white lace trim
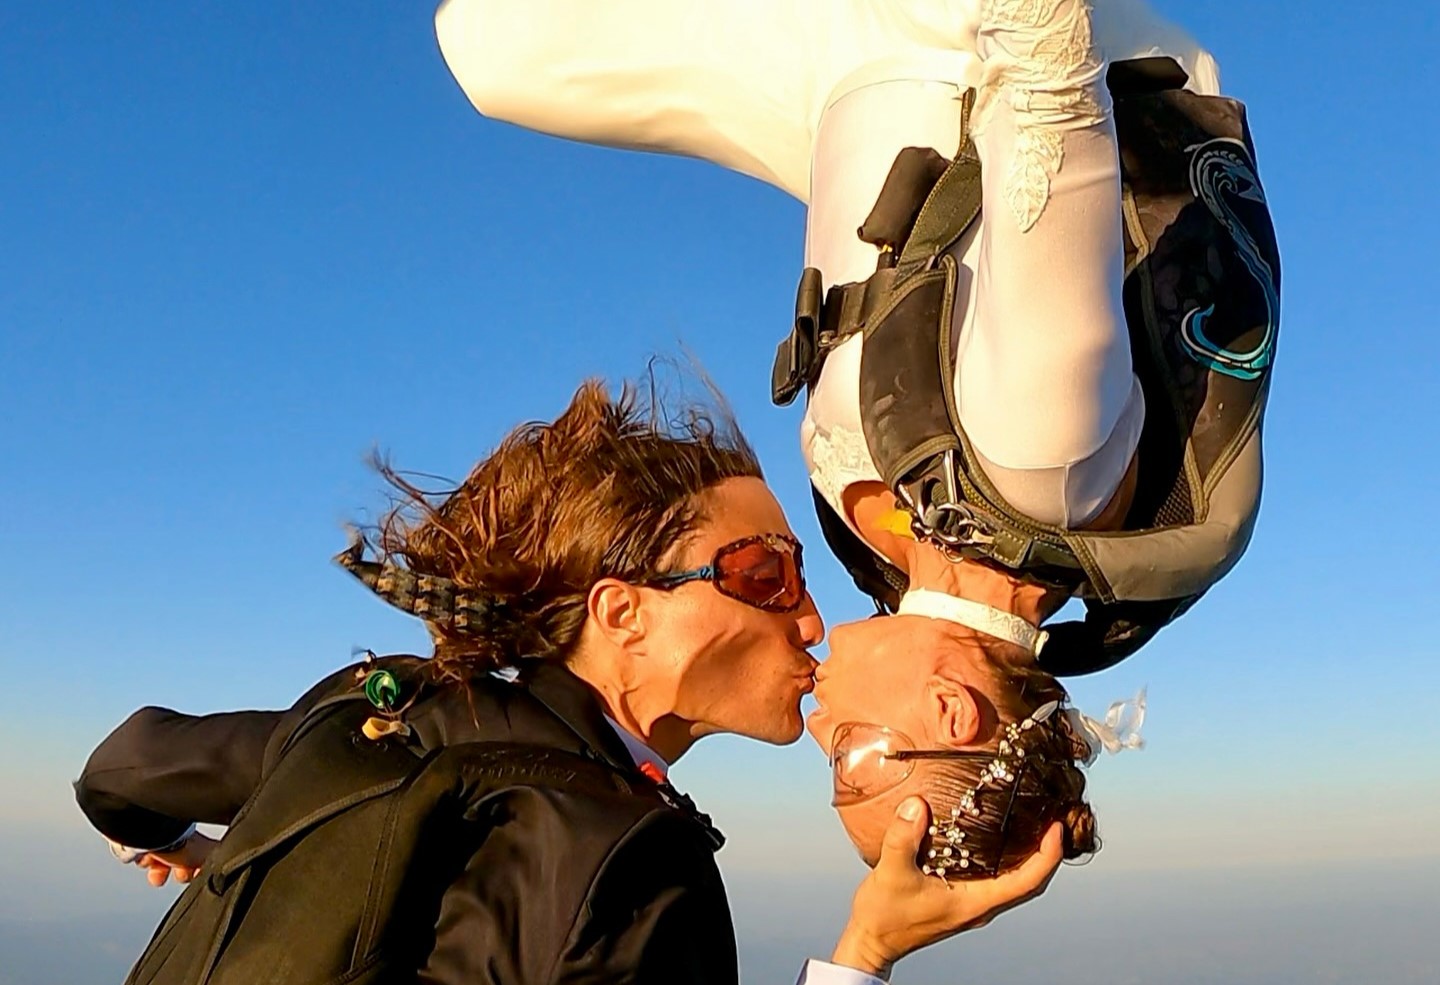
pixel 1044 64
pixel 974 615
pixel 839 458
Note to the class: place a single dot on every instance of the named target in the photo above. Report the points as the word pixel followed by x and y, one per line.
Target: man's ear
pixel 955 710
pixel 613 607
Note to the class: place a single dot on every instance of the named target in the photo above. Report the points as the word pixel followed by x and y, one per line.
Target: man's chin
pixel 774 733
pixel 790 734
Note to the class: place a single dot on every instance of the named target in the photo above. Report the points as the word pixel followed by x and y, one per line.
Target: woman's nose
pixel 809 624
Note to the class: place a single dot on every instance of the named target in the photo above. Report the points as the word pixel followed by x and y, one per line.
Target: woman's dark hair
pixel 1048 786
pixel 608 489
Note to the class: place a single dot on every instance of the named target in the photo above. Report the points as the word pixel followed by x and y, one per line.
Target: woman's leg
pixel 1045 386
pixel 1044 381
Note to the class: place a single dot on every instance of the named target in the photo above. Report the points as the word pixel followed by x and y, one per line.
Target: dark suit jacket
pixel 564 889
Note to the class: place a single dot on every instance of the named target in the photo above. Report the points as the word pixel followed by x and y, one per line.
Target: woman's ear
pixel 954 709
pixel 613 607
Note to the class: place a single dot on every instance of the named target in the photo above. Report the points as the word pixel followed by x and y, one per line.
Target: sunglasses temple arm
pixel 706 573
pixel 1005 824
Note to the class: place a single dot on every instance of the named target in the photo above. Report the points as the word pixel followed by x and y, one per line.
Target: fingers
pixel 158 871
pixel 903 837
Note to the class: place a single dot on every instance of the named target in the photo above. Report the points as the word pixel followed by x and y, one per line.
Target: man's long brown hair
pixel 608 489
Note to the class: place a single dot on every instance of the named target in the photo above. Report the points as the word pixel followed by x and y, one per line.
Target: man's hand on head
pixel 898 910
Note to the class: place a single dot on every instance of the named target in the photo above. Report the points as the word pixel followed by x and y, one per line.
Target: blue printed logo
pixel 1221 171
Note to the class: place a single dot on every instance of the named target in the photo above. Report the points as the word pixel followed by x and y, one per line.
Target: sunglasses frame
pixel 900 755
pixel 711 572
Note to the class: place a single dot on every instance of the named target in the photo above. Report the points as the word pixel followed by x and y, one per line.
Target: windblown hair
pixel 1048 785
pixel 610 488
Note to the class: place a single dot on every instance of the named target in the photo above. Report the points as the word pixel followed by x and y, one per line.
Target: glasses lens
pixel 863 763
pixel 764 573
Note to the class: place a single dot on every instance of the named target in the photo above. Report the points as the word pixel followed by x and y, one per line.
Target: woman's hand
pixel 898 910
pixel 184 862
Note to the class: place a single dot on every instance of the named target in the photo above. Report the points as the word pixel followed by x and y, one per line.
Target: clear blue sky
pixel 242 245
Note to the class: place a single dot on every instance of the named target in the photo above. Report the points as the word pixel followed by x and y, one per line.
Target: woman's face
pixel 734 667
pixel 901 673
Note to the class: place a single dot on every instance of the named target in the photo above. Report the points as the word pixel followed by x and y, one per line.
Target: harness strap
pixel 926 203
pixel 849 306
pixel 952 205
pixel 820 325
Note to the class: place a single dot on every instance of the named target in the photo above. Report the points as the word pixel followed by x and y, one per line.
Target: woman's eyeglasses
pixel 867 760
pixel 764 571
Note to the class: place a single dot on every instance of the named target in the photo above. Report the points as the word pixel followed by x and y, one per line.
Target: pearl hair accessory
pixel 1009 757
pixel 1119 731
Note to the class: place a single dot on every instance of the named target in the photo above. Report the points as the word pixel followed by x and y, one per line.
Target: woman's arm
pixel 657 914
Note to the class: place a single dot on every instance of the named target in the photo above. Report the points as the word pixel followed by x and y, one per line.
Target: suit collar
pixel 646 758
pixel 577 705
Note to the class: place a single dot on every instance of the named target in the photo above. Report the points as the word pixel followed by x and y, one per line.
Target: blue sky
pixel 243 245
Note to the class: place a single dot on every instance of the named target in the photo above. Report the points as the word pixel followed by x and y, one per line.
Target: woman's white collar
pixel 974 615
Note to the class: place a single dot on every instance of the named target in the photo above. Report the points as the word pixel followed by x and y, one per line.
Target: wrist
pixel 176 844
pixel 129 854
pixel 857 949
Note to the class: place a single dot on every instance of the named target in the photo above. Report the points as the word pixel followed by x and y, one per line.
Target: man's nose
pixel 808 624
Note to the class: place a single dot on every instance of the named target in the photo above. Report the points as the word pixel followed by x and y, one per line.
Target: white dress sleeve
pixel 732 83
pixel 740 83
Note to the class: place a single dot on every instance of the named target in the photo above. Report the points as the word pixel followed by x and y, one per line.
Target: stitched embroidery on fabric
pixel 1047 63
pixel 839 458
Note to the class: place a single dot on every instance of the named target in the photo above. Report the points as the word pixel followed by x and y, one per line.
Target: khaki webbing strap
pixel 952 205
pixel 847 306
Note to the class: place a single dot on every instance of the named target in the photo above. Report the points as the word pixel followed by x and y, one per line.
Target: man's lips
pixel 808 679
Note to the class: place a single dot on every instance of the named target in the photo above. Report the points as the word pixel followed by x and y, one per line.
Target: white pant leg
pixel 1044 380
pixel 1045 387
pixel 856 142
